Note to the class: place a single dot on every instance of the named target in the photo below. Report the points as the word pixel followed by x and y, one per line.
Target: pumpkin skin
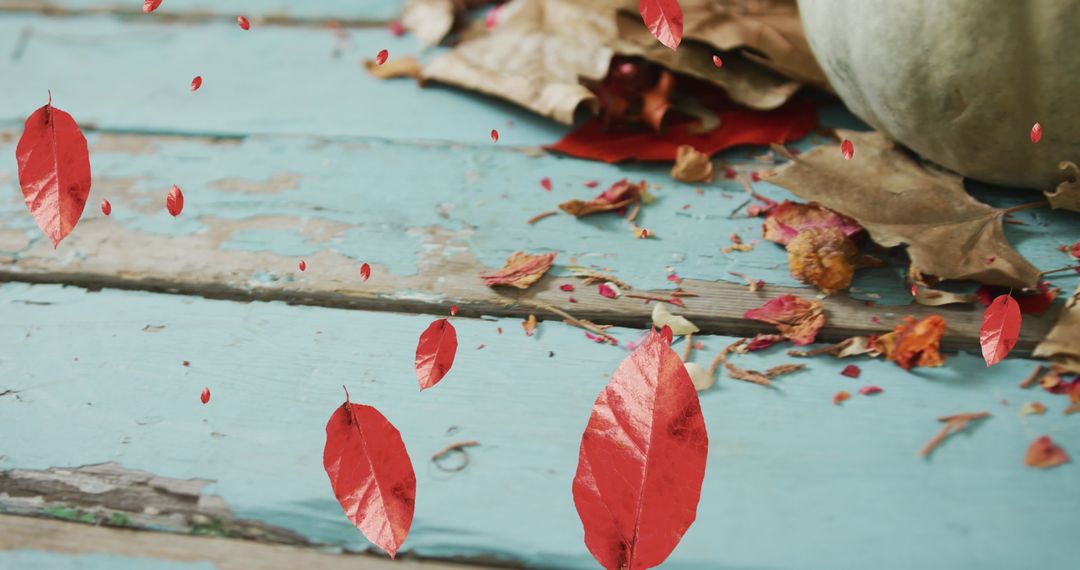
pixel 960 82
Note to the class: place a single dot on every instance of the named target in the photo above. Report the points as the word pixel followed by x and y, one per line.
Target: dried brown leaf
pixel 948 233
pixel 1061 345
pixel 621 194
pixel 521 270
pixel 428 20
pixel 1067 194
pixel 691 165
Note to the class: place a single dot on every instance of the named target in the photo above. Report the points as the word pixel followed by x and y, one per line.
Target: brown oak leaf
pixel 521 270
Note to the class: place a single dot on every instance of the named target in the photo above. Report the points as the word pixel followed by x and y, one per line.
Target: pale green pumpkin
pixel 961 82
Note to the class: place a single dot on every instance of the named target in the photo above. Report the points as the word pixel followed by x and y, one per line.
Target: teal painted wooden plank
pixel 45 560
pixel 833 486
pixel 352 10
pixel 134 75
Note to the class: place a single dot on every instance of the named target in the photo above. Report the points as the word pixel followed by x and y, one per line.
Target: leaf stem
pixel 1059 270
pixel 1028 206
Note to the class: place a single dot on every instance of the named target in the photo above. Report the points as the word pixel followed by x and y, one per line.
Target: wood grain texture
pixel 84 383
pixel 348 12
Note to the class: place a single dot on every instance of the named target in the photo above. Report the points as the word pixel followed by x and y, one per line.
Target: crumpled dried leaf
pixel 1044 454
pixel 914 343
pixel 797 319
pixel 1067 194
pixel 1061 345
pixel 679 324
pixel 691 165
pixel 404 66
pixel 619 195
pixel 787 220
pixel 428 20
pixel 521 270
pixel 936 298
pixel 899 201
pixel 824 258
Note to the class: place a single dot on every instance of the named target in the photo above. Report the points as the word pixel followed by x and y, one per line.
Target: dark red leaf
pixel 435 353
pixel 54 171
pixel 106 207
pixel 642 460
pixel 196 83
pixel 664 19
pixel 494 135
pixel 847 148
pixel 370 473
pixel 243 23
pixel 1000 329
pixel 717 61
pixel 381 57
pixel 302 265
pixel 174 202
pixel 150 5
pixel 205 395
pixel 1036 133
pixel 365 272
pixel 851 371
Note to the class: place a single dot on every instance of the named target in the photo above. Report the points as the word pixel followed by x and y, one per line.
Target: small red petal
pixel 847 149
pixel 453 310
pixel 492 17
pixel 870 389
pixel 606 290
pixel 644 233
pixel 594 184
pixel 106 207
pixel 396 28
pixel 174 202
pixel 205 396
pixel 730 173
pixel 990 259
pixel 914 289
pixel 545 182
pixel 150 5
pixel 674 278
pixel 851 371
pixel 381 58
pixel 365 272
pixel 243 23
pixel 196 83
pixel 302 265
pixel 1036 133
pixel 840 397
pixel 567 287
pixel 571 299
pixel 717 61
pixel 754 176
pixel 494 135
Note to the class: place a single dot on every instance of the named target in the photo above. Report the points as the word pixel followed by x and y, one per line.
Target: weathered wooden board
pixel 431 218
pixel 344 11
pixel 91 378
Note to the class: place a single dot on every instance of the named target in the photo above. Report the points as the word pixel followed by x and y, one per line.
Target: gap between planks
pixel 134 9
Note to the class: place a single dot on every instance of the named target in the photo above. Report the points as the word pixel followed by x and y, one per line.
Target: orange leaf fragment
pixel 521 270
pixel 840 397
pixel 824 258
pixel 914 343
pixel 1044 454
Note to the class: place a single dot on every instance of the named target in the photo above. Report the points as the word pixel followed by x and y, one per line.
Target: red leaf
pixel 717 61
pixel 1000 329
pixel 54 171
pixel 174 202
pixel 381 57
pixel 435 353
pixel 205 395
pixel 243 23
pixel 595 140
pixel 494 135
pixel 365 272
pixel 150 5
pixel 1036 133
pixel 196 83
pixel 642 460
pixel 370 473
pixel 847 148
pixel 851 371
pixel 106 207
pixel 870 390
pixel 302 265
pixel 664 19
pixel 1030 303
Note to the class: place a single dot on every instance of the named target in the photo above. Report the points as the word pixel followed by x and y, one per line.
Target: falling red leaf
pixel 370 473
pixel 717 61
pixel 435 352
pixel 545 183
pixel 840 397
pixel 642 460
pixel 664 18
pixel 302 265
pixel 381 57
pixel 870 390
pixel 847 148
pixel 596 140
pixel 851 371
pixel 205 395
pixel 1030 303
pixel 1036 133
pixel 243 23
pixel 1000 329
pixel 54 171
pixel 196 83
pixel 150 5
pixel 396 28
pixel 1044 454
pixel 365 272
pixel 106 207
pixel 174 202
pixel 494 135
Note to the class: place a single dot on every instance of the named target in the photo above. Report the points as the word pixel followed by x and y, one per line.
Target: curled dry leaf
pixel 1000 329
pixel 935 298
pixel 405 66
pixel 851 371
pixel 54 171
pixel 691 165
pixel 1060 345
pixel 521 270
pixel 435 353
pixel 679 324
pixel 1044 454
pixel 870 390
pixel 797 319
pixel 824 258
pixel 621 194
pixel 1067 194
pixel 899 201
pixel 763 341
pixel 642 460
pixel 371 474
pixel 914 343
